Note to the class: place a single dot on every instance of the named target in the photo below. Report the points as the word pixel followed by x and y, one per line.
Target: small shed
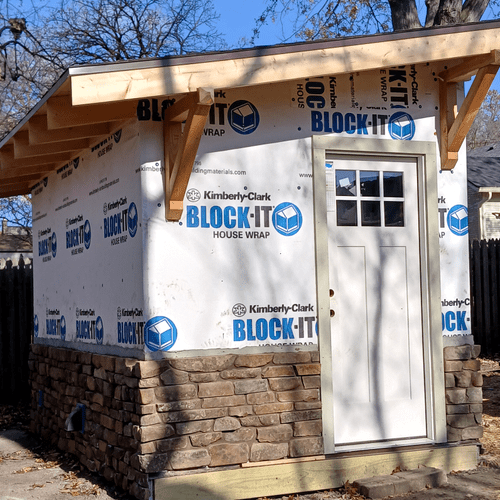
pixel 251 267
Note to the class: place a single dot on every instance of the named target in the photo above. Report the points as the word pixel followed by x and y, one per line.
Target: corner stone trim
pixel 464 393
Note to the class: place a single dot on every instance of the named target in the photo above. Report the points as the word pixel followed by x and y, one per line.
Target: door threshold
pixel 382 445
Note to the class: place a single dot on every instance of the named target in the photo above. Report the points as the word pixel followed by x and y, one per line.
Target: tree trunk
pixel 404 14
pixel 473 10
pixel 432 8
pixel 449 12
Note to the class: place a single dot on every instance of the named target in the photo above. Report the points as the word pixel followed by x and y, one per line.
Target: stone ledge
pixel 400 483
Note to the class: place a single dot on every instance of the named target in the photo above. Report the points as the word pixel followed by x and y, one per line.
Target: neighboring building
pixel 483 192
pixel 14 243
pixel 241 275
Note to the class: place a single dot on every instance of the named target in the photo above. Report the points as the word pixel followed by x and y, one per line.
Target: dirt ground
pixel 31 470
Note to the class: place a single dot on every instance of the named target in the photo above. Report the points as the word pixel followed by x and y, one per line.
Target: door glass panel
pixel 369 183
pixel 394 214
pixel 393 184
pixel 346 182
pixel 347 214
pixel 370 213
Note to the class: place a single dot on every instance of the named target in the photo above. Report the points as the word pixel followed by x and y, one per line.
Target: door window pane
pixel 347 213
pixel 393 184
pixel 394 213
pixel 370 213
pixel 345 182
pixel 369 182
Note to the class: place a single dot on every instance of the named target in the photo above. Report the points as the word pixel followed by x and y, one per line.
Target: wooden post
pixel 180 153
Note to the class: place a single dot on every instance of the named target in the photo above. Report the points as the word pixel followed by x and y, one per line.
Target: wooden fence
pixel 16 326
pixel 485 294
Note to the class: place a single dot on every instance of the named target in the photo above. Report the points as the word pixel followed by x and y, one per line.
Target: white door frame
pixel 425 155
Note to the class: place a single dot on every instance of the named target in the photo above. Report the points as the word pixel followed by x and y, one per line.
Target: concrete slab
pixel 14 440
pixel 400 483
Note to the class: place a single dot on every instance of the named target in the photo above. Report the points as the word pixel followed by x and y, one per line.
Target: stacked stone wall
pixel 149 416
pixel 464 394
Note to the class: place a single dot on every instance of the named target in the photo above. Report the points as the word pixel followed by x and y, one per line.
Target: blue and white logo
pixel 287 219
pixel 63 328
pixel 132 219
pixel 401 126
pixel 99 330
pixel 87 234
pixel 160 333
pixel 35 325
pixel 54 244
pixel 243 117
pixel 458 220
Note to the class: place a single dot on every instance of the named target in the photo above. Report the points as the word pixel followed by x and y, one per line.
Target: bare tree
pixel 485 130
pixel 35 51
pixel 16 210
pixel 112 30
pixel 316 19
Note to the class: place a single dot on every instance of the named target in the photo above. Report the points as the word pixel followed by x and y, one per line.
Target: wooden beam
pixel 259 68
pixel 469 68
pixel 19 179
pixel 23 148
pixel 39 132
pixel 8 161
pixel 447 109
pixel 26 171
pixel 61 114
pixel 290 478
pixel 15 190
pixel 457 132
pixel 178 178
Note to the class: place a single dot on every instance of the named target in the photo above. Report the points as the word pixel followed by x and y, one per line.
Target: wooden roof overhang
pixel 88 102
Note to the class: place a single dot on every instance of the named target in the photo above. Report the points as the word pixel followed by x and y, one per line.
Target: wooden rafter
pixel 181 146
pixel 62 114
pixel 8 161
pixel 23 148
pixel 39 132
pixel 454 125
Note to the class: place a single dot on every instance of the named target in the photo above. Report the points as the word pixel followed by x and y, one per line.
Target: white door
pixel 376 303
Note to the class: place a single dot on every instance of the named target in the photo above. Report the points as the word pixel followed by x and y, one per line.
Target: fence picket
pixel 16 320
pixel 485 294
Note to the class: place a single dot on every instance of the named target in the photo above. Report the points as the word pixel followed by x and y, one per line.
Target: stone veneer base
pixel 200 414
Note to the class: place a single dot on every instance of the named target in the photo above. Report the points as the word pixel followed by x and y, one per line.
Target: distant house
pixel 14 242
pixel 483 192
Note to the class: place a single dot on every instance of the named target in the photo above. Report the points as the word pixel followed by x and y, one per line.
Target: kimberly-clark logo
pixel 458 220
pixel 160 333
pixel 243 117
pixel 401 126
pixel 239 310
pixel 287 219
